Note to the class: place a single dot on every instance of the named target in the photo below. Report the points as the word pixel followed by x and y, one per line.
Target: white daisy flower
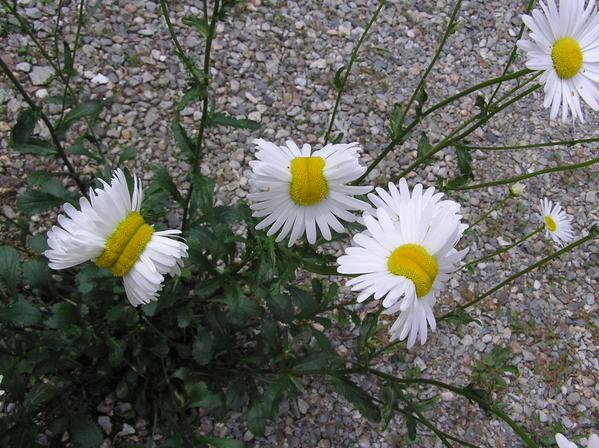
pixel 405 257
pixel 558 224
pixel 562 442
pixel 110 231
pixel 305 189
pixel 565 46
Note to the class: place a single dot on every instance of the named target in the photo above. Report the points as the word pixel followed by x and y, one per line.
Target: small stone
pixel 363 442
pixel 100 79
pixel 151 117
pixel 40 75
pixel 127 430
pixel 33 13
pixel 302 406
pixel 467 340
pixel 573 398
pixel 105 424
pixel 537 284
pixel 487 338
pixel 41 94
pixel 319 63
pixel 23 67
pixel 256 116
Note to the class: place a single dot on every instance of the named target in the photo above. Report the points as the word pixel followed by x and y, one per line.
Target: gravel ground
pixel 274 62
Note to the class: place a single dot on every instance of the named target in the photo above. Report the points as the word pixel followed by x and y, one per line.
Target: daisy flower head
pixel 558 225
pixel 405 256
pixel 109 230
pixel 304 189
pixel 564 46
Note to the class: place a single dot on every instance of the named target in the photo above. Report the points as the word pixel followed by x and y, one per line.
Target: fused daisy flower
pixel 564 47
pixel 303 190
pixel 405 258
pixel 558 225
pixel 562 442
pixel 110 231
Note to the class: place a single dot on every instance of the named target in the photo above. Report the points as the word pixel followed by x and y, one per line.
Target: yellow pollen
pixel 415 263
pixel 125 245
pixel 308 184
pixel 566 55
pixel 550 223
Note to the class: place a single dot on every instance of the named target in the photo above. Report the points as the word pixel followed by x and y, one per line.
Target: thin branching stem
pixel 594 233
pixel 511 180
pixel 457 134
pixel 53 135
pixel 533 145
pixel 514 51
pixel 485 215
pixel 347 70
pixel 503 249
pixel 448 31
pixel 465 393
pixel 409 128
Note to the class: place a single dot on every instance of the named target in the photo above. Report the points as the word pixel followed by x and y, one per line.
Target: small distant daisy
pixel 110 231
pixel 305 189
pixel 562 442
pixel 405 258
pixel 558 225
pixel 564 46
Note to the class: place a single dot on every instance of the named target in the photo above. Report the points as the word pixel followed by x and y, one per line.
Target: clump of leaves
pixel 491 370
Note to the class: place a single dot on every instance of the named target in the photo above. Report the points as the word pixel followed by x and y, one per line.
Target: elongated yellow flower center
pixel 566 55
pixel 125 245
pixel 550 223
pixel 308 184
pixel 415 263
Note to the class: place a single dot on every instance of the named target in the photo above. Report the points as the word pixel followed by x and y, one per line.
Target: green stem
pixel 465 393
pixel 405 132
pixel 503 249
pixel 533 145
pixel 448 31
pixel 456 135
pixel 55 140
pixel 514 50
pixel 497 206
pixel 191 68
pixel 75 45
pixel 511 180
pixel 352 59
pixel 206 75
pixel 593 234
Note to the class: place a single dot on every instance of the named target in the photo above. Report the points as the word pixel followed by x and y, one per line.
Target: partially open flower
pixel 110 231
pixel 517 189
pixel 305 189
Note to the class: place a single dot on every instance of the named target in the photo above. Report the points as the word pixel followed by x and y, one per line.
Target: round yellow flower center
pixel 125 245
pixel 566 55
pixel 550 223
pixel 308 184
pixel 415 263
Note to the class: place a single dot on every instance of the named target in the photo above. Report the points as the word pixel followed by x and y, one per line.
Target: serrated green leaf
pixel 126 154
pixel 88 108
pixel 36 147
pixel 39 243
pixel 21 313
pixel 37 275
pixel 80 150
pixel 200 24
pixel 464 162
pixel 337 81
pixel 85 432
pixel 22 130
pixel 281 307
pixel 203 346
pixel 163 179
pixel 37 201
pixel 9 270
pixel 424 146
pixel 202 196
pixel 394 122
pixel 356 396
pixel 63 315
pixel 307 305
pixel 181 138
pixel 221 119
